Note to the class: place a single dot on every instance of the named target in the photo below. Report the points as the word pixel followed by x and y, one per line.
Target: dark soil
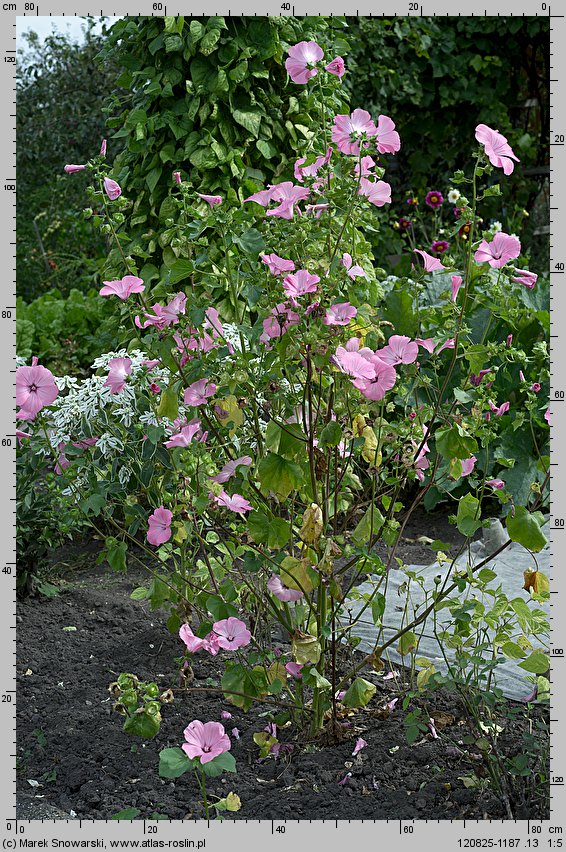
pixel 72 743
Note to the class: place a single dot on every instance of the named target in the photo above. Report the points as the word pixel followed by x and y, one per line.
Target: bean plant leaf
pixel 524 529
pixel 359 694
pixel 537 663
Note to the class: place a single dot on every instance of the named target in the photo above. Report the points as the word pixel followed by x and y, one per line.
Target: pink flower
pixel 360 744
pixel 263 197
pixel 547 414
pixel 103 148
pixel 499 251
pixel 430 263
pixel 62 461
pixel 353 271
pixel 164 316
pixel 159 526
pixel 348 130
pixel 280 320
pixel 236 503
pixel 456 284
pixel 71 169
pixel 300 284
pixel 346 777
pixel 295 670
pixel 229 469
pixel 177 178
pixel 367 164
pixel 340 314
pixel 199 392
pixel 509 341
pixel 123 288
pixel 535 387
pixel 287 195
pixel 277 588
pixel 354 364
pixel 432 729
pixel 387 138
pixel 232 633
pixel 440 246
pixel 383 380
pixel 497 148
pixel 302 57
pixel 378 192
pixel 205 741
pixel 112 189
pixel 301 171
pixel 399 350
pixel 391 704
pixel 224 714
pixel 477 380
pixel 210 199
pixel 336 67
pixel 194 643
pixel 185 436
pixel 496 483
pixel 20 435
pixel 499 410
pixel 448 344
pixel 468 465
pixel 119 370
pixel 526 278
pixel 427 343
pixel 277 265
pixel 316 209
pixel 235 733
pixel 35 388
pixel 434 199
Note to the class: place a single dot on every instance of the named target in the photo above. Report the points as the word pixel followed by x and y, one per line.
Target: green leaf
pixel 116 553
pixel 407 642
pixel 524 529
pixel 366 526
pixel 180 270
pixel 143 725
pixel 168 404
pixel 331 435
pixel 513 651
pixel 250 241
pixel 223 763
pixel 278 475
pixel 359 694
pixel 455 443
pixel 139 594
pixel 237 679
pixel 537 663
pixel 468 515
pixel 248 118
pixel 266 529
pixel 173 762
pixel 312 677
pixel 127 813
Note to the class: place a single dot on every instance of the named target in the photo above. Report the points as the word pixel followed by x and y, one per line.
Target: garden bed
pixel 72 744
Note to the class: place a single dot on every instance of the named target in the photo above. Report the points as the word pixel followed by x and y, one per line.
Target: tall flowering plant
pixel 264 427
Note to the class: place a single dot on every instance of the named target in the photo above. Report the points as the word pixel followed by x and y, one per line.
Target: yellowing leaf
pixel 231 412
pixel 277 671
pixel 233 802
pixel 312 527
pixel 369 452
pixel 358 425
pixel 536 582
pixel 305 648
pixel 297 574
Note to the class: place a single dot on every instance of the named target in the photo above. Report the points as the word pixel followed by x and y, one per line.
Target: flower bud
pixel 103 148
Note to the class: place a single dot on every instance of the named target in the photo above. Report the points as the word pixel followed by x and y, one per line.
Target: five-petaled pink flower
pixel 159 526
pixel 295 670
pixel 497 148
pixel 277 265
pixel 348 130
pixel 524 277
pixel 302 57
pixel 301 171
pixel 118 371
pixel 376 192
pixel 199 392
pixel 353 271
pixel 300 283
pixel 496 483
pixel 429 262
pixel 468 465
pixel 354 363
pixel 399 350
pixel 164 316
pixel 383 379
pixel 287 195
pixel 71 169
pixel 35 388
pixel 280 319
pixel 387 138
pixel 230 468
pixel 336 67
pixel 456 284
pixel 503 248
pixel 210 199
pixel 185 436
pixel 236 503
pixel 194 643
pixel 340 314
pixel 112 189
pixel 231 633
pixel 277 588
pixel 123 288
pixel 205 741
pixel 367 164
pixel 499 410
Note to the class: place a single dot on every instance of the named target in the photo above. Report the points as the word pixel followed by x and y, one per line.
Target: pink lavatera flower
pixel 164 315
pixel 118 371
pixel 387 138
pixel 177 178
pixel 299 284
pixel 336 67
pixel 448 344
pixel 427 343
pixel 112 189
pixel 123 288
pixel 277 265
pixel 213 200
pixel 195 643
pixel 376 192
pixel 199 392
pixel 301 61
pixel 159 526
pixel 295 670
pixel 349 130
pixel 224 714
pixel 400 349
pixel 456 284
pixel 20 435
pixel 499 410
pixel 186 435
pixel 524 277
pixel 316 210
pixel 263 197
pixel 35 388
pixel 502 249
pixel 354 271
pixel 497 148
pixel 301 171
pixel 367 164
pixel 205 741
pixel 231 633
pixel 429 262
pixel 287 195
pixel 277 588
pixel 547 414
pixel 340 314
pixel 72 169
pixel 236 503
pixel 230 468
pixel 62 461
pixel 383 380
pixel 354 364
pixel 360 744
pixel 498 484
pixel 468 465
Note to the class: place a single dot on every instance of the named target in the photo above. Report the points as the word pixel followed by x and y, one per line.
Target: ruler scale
pixel 253 835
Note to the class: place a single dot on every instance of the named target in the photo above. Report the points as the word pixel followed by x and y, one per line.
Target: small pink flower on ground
pixel 434 199
pixel 340 694
pixel 177 178
pixel 123 288
pixel 235 733
pixel 118 371
pixel 183 438
pixel 440 246
pixel 276 587
pixel 71 169
pixel 345 779
pixel 232 633
pixel 271 729
pixel 300 284
pixel 199 392
pixel 496 483
pixel 430 263
pixel 353 271
pixel 502 249
pixel 524 277
pixel 468 465
pixel 535 387
pixel 348 130
pixel 382 381
pixel 159 526
pixel 225 714
pixel 456 284
pixel 391 704
pixel 360 744
pixel 112 189
pixel 497 148
pixel 340 314
pixel 302 57
pixel 35 388
pixel 205 741
pixel 499 410
pixel 399 350
pixel 336 67
pixel 295 670
pixel 103 148
pixel 229 469
pixel 236 503
pixel 213 200
pixel 389 676
pixel 387 138
pixel 377 193
pixel 277 265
